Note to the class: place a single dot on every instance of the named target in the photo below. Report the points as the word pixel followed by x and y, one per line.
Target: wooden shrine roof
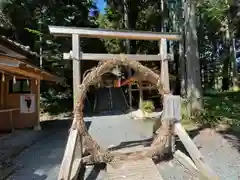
pixel 18 59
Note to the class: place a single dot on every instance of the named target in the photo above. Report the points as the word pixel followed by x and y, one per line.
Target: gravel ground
pixel 42 160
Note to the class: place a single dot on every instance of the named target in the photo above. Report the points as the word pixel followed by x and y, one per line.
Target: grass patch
pixel 219 108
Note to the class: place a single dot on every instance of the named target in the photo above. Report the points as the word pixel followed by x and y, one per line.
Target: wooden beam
pixel 6 62
pixel 18 71
pixel 104 33
pixel 9 61
pixel 9 109
pixel 187 163
pixel 105 57
pixel 43 74
pixel 193 151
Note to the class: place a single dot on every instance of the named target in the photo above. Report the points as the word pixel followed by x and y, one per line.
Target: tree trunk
pixel 194 86
pixel 182 59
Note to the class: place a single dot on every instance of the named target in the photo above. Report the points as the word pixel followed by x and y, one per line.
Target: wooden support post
pixel 76 65
pixel 11 120
pixel 164 64
pixel 193 151
pixel 37 127
pixel 2 90
pixel 140 95
pixel 172 113
pixel 69 155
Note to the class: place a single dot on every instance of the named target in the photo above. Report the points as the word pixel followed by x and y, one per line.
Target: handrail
pixel 10 110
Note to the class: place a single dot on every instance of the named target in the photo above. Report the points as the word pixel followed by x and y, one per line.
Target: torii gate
pixel 77 55
pixel 171 103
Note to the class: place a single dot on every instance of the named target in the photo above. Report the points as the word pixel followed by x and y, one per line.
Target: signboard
pixel 27 103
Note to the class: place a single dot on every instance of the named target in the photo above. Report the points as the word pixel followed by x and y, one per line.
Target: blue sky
pixel 101 5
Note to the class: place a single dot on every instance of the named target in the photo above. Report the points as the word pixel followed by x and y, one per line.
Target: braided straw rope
pixel 92 78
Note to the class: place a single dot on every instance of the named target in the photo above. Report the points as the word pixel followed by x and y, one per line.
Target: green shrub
pixel 147 106
pixel 188 119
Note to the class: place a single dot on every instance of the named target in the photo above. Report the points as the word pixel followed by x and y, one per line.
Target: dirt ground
pixel 41 161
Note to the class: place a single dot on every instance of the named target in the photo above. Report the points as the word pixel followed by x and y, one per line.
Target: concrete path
pixel 42 160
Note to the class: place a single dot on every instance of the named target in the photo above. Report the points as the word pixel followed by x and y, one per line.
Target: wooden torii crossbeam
pixel 172 105
pixel 106 57
pixel 106 33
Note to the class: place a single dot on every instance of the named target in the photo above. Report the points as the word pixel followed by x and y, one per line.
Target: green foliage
pixel 147 106
pixel 55 102
pixel 215 9
pixel 219 108
pixel 33 31
pixel 222 108
pixel 142 15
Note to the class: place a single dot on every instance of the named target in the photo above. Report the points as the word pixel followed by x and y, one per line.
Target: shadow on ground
pixel 148 141
pixel 47 151
pixel 233 137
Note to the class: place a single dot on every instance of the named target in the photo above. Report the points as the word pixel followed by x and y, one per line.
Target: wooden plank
pixel 77 159
pixel 107 33
pixel 76 169
pixel 195 154
pixel 67 162
pixel 143 169
pixel 106 57
pixel 9 109
pixel 187 163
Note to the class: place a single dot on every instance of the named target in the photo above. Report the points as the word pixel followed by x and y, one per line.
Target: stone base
pixel 139 114
pixel 37 127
